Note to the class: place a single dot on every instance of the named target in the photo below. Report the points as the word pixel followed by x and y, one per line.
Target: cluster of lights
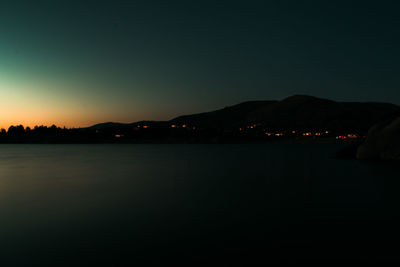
pixel 274 134
pixel 315 134
pixel 252 126
pixel 294 132
pixel 141 126
pixel 183 126
pixel 277 134
pixel 349 136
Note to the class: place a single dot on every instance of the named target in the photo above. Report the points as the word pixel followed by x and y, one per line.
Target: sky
pixel 77 63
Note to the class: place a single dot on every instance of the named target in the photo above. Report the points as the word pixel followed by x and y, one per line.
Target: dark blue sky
pixel 82 62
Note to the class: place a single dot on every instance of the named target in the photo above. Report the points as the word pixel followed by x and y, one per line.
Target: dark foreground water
pixel 124 205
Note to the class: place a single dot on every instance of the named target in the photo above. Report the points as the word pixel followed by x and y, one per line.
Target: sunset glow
pixel 115 62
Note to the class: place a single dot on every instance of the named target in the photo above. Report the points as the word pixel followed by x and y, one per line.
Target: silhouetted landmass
pixel 298 118
pixel 297 112
pixel 227 118
pixel 305 112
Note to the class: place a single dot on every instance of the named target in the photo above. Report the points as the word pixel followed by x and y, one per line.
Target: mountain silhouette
pixel 292 117
pixel 229 117
pixel 296 112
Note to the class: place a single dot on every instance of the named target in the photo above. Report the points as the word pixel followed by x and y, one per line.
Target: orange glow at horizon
pixel 66 116
pixel 32 103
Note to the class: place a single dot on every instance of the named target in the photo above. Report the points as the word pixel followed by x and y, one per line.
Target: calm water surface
pixel 119 205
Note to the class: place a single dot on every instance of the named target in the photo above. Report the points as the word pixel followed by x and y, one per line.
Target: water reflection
pixel 122 204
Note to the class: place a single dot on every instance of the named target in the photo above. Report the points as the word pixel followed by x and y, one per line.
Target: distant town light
pixel 353 136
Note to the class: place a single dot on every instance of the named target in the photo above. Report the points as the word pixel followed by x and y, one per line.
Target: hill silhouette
pixel 297 112
pixel 293 117
pixel 233 116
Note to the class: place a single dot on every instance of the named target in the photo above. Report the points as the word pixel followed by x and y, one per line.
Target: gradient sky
pixel 76 63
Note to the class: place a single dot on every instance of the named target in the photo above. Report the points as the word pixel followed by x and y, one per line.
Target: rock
pixel 383 142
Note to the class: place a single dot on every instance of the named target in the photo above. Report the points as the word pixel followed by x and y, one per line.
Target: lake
pixel 120 205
